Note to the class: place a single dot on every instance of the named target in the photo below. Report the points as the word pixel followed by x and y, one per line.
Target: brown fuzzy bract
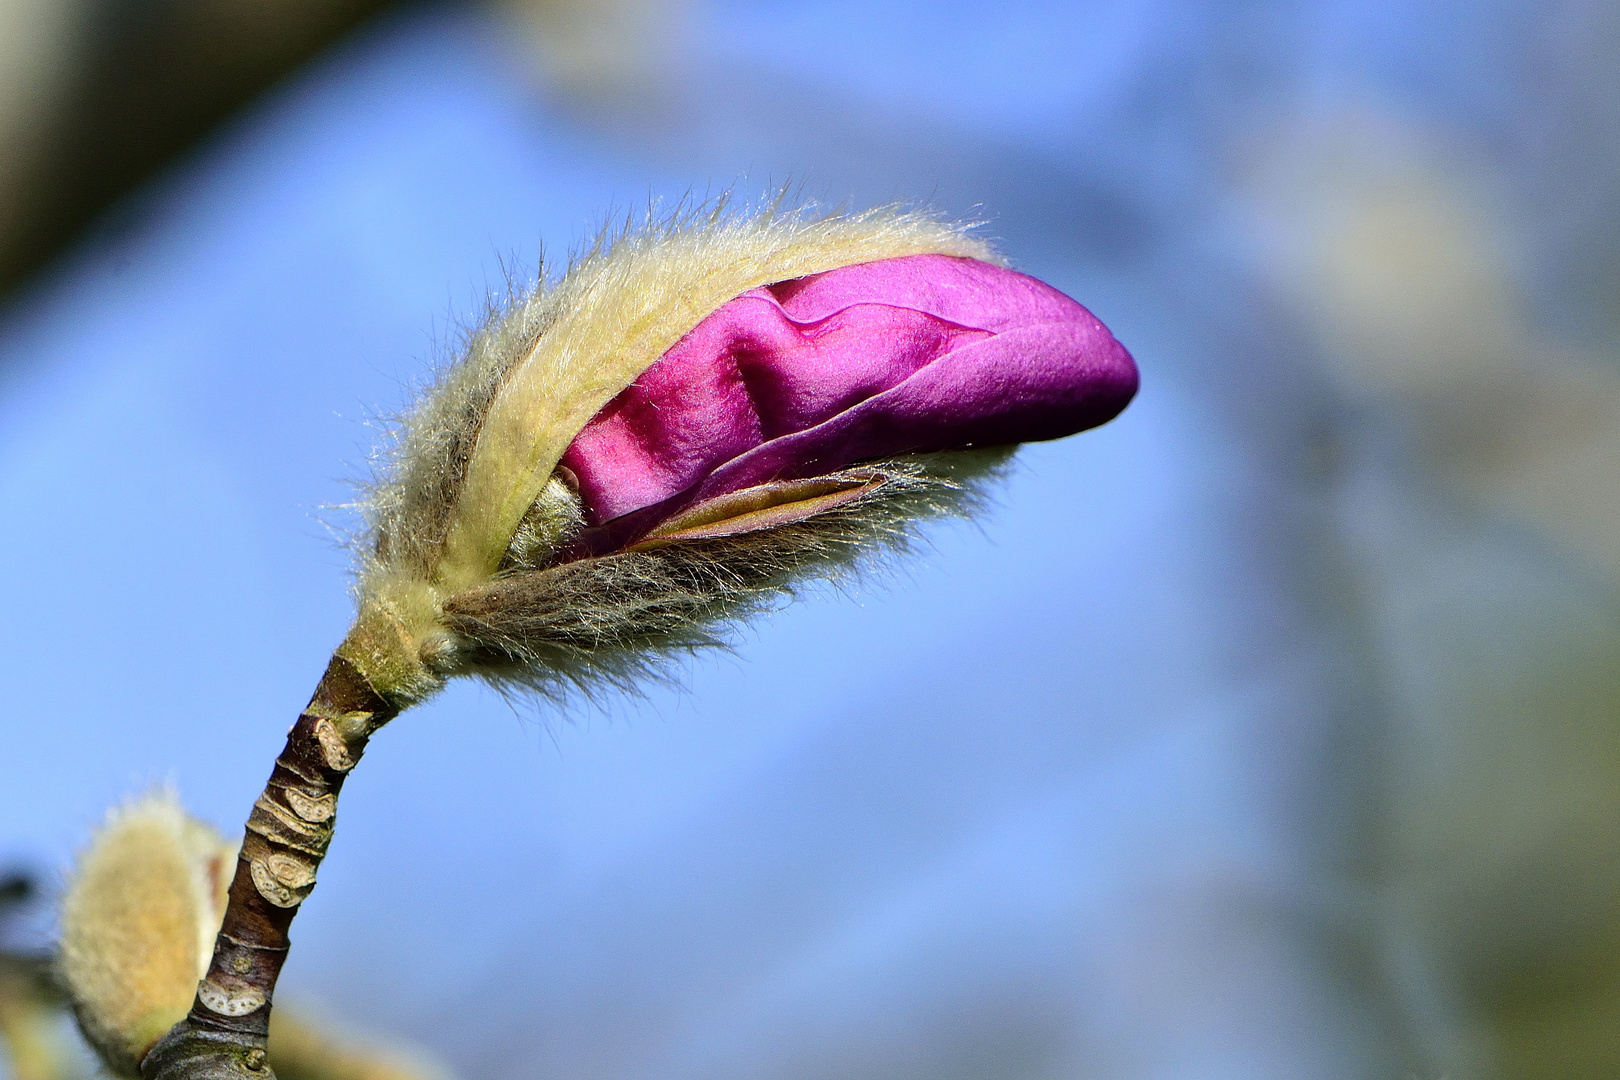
pixel 616 617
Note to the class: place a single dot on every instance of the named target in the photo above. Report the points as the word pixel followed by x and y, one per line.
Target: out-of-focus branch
pixel 95 97
pixel 304 1048
pixel 31 1004
pixel 598 56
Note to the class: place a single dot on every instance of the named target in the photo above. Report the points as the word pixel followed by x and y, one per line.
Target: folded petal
pixel 805 377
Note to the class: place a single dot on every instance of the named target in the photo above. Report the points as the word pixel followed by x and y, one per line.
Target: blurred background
pixel 1269 731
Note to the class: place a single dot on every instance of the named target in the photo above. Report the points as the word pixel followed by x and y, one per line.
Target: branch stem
pixel 287 835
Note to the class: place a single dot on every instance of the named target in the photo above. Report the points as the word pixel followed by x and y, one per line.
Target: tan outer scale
pixel 615 312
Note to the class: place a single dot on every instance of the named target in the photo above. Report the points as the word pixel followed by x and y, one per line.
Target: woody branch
pixel 287 836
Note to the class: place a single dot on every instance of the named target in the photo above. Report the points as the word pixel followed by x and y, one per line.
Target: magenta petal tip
pixel 801 378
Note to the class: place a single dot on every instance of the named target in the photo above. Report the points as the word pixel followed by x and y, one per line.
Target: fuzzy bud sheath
pixel 138 923
pixel 699 415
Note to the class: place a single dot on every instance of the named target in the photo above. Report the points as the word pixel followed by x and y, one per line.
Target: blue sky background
pixel 1064 797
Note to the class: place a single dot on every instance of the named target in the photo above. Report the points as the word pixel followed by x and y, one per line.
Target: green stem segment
pixel 287 835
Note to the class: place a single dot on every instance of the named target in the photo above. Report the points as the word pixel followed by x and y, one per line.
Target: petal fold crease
pixel 805 377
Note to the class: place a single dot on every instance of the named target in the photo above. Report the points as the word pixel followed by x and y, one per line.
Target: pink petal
pixel 805 377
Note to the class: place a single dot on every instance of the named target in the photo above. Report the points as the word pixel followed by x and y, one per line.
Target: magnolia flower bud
pixel 138 925
pixel 695 417
pixel 698 415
